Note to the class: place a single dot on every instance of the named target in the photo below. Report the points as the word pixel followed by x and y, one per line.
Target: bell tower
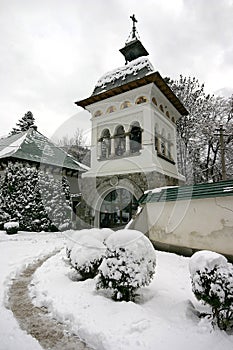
pixel 133 113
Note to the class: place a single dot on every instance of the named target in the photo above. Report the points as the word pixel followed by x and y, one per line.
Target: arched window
pixel 161 108
pixel 98 113
pixel 125 104
pixel 120 140
pixel 135 137
pixel 105 144
pixel 167 114
pixel 111 109
pixel 154 101
pixel 163 144
pixel 141 99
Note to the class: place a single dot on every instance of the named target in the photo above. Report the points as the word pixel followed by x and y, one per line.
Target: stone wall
pixel 95 188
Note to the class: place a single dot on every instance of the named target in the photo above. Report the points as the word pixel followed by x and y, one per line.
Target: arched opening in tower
pixel 117 208
pixel 135 138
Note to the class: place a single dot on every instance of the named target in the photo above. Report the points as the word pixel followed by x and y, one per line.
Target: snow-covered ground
pixel 16 251
pixel 162 319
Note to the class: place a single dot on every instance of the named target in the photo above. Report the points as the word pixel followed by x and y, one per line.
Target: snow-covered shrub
pixel 86 256
pixel 212 283
pixel 85 249
pixel 129 264
pixel 4 217
pixel 11 227
pixel 74 236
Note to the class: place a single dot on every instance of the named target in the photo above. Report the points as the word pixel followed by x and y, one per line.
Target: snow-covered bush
pixel 85 249
pixel 212 283
pixel 129 264
pixel 11 227
pixel 4 217
pixel 86 256
pixel 72 237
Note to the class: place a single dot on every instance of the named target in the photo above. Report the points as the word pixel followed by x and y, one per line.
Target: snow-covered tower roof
pixel 137 73
pixel 136 69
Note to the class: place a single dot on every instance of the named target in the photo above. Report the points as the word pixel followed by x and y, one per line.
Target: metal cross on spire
pixel 133 46
pixel 134 26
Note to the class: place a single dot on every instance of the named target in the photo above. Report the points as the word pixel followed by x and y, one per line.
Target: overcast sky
pixel 52 52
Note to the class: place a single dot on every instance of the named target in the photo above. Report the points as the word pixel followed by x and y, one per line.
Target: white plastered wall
pixel 205 223
pixel 147 115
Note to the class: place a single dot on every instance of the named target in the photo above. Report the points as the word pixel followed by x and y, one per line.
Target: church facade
pixel 133 148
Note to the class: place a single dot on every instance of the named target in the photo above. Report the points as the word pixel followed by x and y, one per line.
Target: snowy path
pixel 36 321
pixel 17 252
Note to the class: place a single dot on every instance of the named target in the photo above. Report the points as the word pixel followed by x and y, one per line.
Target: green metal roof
pixel 199 191
pixel 32 146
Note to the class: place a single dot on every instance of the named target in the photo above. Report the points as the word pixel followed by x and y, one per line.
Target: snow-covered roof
pixel 198 191
pixel 137 73
pixel 32 146
pixel 134 70
pixel 158 189
pixel 9 147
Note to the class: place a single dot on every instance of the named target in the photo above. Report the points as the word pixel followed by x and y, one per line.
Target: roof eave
pixel 154 77
pixel 43 163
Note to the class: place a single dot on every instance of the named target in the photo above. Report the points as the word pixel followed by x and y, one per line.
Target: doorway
pixel 117 208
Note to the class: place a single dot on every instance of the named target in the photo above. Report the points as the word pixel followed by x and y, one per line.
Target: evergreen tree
pixel 35 199
pixel 24 123
pixel 55 196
